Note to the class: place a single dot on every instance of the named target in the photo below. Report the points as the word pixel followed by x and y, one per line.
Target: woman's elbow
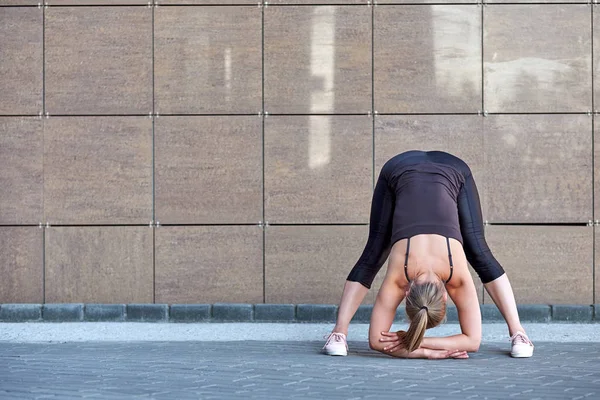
pixel 474 344
pixel 375 344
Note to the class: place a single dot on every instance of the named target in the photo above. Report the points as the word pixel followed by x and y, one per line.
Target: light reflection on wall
pixel 322 68
pixel 456 32
pixel 227 61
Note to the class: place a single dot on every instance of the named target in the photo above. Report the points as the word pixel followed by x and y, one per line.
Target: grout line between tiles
pixel 593 159
pixel 262 113
pixel 43 265
pixel 373 172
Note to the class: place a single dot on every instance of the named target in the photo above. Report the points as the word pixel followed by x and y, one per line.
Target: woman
pixel 426 216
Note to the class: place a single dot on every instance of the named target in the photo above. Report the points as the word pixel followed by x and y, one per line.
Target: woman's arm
pixel 388 299
pixel 464 295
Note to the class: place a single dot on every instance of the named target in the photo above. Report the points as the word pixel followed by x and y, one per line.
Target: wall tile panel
pixel 209 2
pixel 427 59
pixel 208 169
pixel 96 2
pixel 99 60
pixel 318 169
pixel 21 65
pixel 309 264
pixel 317 59
pixel 538 168
pixel 402 2
pixel 98 170
pixel 21 265
pixel 461 135
pixel 537 58
pixel 99 264
pixel 208 264
pixel 545 264
pixel 21 174
pixel 208 60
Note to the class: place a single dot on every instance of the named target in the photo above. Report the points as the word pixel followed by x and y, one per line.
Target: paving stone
pixel 363 314
pixel 20 312
pixel 104 312
pixel 316 312
pixel 572 313
pixel 490 313
pixel 189 312
pixel 147 312
pixel 256 369
pixel 62 312
pixel 232 312
pixel 401 314
pixel 274 312
pixel 451 314
pixel 534 312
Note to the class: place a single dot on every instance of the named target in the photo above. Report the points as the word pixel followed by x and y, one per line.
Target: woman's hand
pixel 392 340
pixel 441 354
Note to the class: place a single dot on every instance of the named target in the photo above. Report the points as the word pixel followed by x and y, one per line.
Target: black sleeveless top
pixel 426 199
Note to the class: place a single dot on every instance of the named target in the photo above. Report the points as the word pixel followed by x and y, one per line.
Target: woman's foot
pixel 336 344
pixel 521 345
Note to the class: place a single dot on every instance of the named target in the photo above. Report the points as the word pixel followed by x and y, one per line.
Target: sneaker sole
pixel 336 353
pixel 522 354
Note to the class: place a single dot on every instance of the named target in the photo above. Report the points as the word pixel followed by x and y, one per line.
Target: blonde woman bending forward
pixel 426 217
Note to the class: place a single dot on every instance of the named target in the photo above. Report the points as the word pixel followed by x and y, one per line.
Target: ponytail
pixel 426 308
pixel 416 331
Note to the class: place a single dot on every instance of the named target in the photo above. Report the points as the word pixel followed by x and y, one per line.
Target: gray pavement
pixel 153 332
pixel 227 362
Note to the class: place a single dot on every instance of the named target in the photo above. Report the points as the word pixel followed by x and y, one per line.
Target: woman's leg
pixel 353 295
pixel 373 256
pixel 481 258
pixel 501 293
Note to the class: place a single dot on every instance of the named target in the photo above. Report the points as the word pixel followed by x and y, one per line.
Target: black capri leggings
pixel 379 243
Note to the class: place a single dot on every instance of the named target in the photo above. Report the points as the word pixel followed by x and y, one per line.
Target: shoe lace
pixel 519 338
pixel 335 337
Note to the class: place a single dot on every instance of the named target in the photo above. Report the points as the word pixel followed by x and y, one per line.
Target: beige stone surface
pixel 20 2
pixel 21 171
pixel 319 2
pixel 99 264
pixel 537 58
pixel 545 264
pixel 209 264
pixel 211 2
pixel 317 59
pixel 97 2
pixel 21 65
pixel 208 169
pixel 310 264
pixel 99 62
pixel 98 170
pixel 208 60
pixel 318 169
pixel 427 59
pixel 461 135
pixel 21 264
pixel 538 168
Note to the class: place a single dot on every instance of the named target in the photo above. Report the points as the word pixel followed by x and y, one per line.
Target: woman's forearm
pixel 455 342
pixel 418 353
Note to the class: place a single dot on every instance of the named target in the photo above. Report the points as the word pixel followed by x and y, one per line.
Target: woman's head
pixel 426 308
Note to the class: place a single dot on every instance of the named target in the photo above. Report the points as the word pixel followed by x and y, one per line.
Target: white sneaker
pixel 521 346
pixel 336 344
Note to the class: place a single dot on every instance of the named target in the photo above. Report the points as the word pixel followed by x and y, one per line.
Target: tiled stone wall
pixel 253 133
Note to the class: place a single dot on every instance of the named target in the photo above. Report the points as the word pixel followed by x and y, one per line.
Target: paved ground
pixel 170 332
pixel 281 370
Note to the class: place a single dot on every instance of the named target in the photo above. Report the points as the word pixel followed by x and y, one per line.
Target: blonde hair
pixel 426 308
